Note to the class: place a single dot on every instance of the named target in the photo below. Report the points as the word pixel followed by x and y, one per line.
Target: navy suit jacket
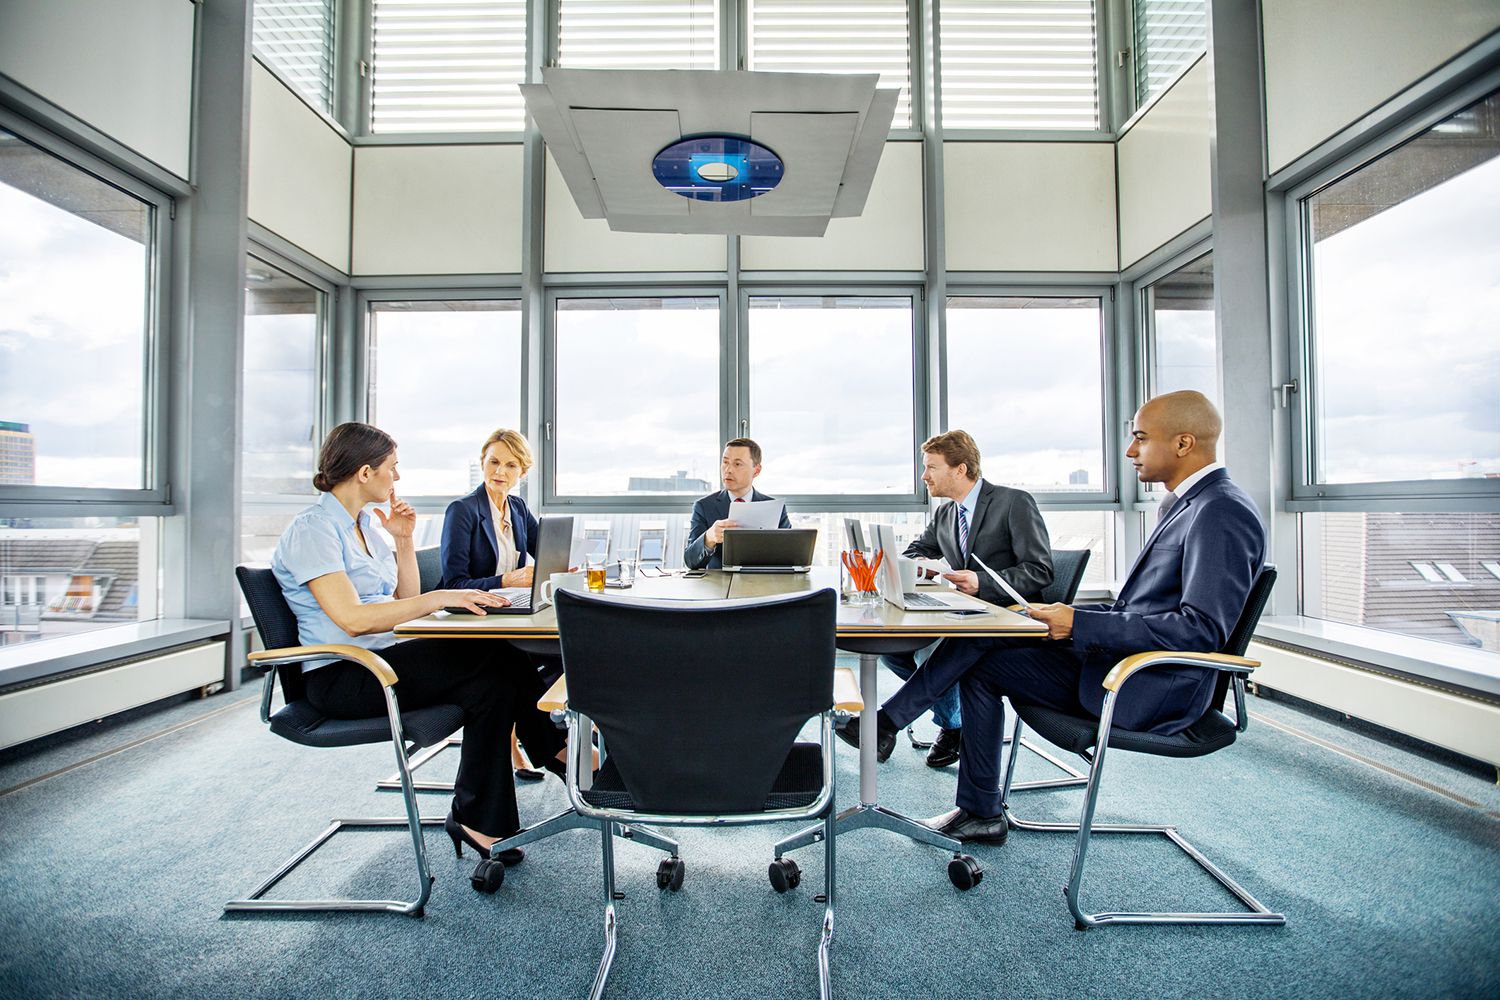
pixel 1186 591
pixel 714 507
pixel 469 547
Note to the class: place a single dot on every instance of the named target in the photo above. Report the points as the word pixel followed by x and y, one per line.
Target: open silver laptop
pixel 773 550
pixel 553 544
pixel 888 581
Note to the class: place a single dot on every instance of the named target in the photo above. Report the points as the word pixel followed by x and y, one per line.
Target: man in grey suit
pixel 999 525
pixel 738 468
pixel 1186 591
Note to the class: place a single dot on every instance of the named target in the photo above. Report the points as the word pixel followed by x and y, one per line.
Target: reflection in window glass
pixel 835 36
pixel 62 576
pixel 1391 571
pixel 1169 35
pixel 831 393
pixel 283 318
pixel 638 34
pixel 1184 350
pixel 1026 378
pixel 1019 64
pixel 75 282
pixel 637 396
pixel 1403 265
pixel 1086 529
pixel 439 425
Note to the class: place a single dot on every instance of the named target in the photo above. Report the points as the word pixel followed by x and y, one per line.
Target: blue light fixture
pixel 717 168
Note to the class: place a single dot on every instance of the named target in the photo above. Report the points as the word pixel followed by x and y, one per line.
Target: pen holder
pixel 858 577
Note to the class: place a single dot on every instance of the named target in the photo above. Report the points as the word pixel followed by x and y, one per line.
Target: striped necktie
pixel 963 531
pixel 1168 501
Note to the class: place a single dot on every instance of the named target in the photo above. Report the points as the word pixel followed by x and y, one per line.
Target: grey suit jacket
pixel 1006 531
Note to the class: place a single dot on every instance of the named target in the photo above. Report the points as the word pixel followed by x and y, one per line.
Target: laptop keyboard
pixel 922 601
pixel 520 597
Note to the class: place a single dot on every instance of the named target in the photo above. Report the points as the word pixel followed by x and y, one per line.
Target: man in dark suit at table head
pixel 999 525
pixel 738 467
pixel 1185 592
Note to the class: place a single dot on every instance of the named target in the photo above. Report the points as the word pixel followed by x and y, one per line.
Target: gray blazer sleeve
pixel 1033 549
pixel 925 545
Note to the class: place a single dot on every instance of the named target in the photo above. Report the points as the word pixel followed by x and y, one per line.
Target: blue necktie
pixel 963 532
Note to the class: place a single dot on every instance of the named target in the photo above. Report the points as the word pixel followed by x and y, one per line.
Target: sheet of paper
pixel 757 513
pixel 937 566
pixel 1000 580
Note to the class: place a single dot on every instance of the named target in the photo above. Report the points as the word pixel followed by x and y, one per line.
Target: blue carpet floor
pixel 115 873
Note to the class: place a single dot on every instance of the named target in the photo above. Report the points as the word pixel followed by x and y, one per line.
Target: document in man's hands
pixel 757 513
pixel 1000 580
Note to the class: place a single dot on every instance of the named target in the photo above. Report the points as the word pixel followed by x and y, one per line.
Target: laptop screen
pixel 553 544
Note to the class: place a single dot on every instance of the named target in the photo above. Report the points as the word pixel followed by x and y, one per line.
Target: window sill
pixel 1456 667
pixel 46 658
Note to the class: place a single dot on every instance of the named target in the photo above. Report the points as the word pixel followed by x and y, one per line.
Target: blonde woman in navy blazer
pixel 473 539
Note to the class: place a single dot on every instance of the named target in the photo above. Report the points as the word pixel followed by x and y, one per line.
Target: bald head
pixel 1175 435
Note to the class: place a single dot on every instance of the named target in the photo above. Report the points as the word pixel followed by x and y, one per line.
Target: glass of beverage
pixel 596 567
pixel 627 560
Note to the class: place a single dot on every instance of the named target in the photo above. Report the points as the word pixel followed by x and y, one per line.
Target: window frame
pixel 1307 494
pixel 155 497
pixel 1107 497
pixel 365 298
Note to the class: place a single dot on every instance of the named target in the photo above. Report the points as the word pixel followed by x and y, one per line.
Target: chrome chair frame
pixel 414 821
pixel 1257 913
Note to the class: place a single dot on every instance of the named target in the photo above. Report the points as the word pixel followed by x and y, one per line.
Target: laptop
pixel 888 582
pixel 854 535
pixel 553 545
pixel 775 550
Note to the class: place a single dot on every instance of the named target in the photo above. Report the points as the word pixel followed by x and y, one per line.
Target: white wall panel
pixel 1029 206
pixel 1164 177
pixel 125 68
pixel 1330 62
pixel 887 236
pixel 300 171
pixel 574 244
pixel 438 209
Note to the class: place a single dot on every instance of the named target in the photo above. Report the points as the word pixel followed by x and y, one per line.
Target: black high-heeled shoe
pixel 510 857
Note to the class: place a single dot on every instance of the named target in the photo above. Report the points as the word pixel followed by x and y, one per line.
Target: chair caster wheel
pixel 964 872
pixel 669 874
pixel 488 876
pixel 784 874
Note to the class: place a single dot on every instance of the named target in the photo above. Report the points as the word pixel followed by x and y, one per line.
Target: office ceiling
pixel 606 127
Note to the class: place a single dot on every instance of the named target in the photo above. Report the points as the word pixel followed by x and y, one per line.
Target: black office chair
pixel 1089 738
pixel 639 668
pixel 299 722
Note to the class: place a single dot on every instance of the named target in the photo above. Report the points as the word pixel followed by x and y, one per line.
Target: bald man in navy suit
pixel 1185 592
pixel 738 468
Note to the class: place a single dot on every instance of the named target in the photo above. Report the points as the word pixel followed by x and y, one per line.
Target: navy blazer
pixel 714 507
pixel 470 549
pixel 1186 592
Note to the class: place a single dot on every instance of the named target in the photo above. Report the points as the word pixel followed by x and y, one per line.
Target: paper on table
pixel 1001 581
pixel 757 513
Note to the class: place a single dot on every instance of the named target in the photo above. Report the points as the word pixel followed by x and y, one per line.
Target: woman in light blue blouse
pixel 346 586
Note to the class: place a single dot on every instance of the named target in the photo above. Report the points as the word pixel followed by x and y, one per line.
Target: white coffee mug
pixel 576 582
pixel 908 570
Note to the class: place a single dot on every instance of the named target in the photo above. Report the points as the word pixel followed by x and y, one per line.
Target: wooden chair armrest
pixel 846 697
pixel 372 662
pixel 1123 670
pixel 555 699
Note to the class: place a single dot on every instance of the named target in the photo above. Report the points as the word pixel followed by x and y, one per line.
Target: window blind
pixel 835 36
pixel 296 38
pixel 447 65
pixel 638 34
pixel 1169 34
pixel 1019 64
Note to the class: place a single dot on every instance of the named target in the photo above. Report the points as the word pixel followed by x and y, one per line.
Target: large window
pixel 447 65
pixel 831 392
pixel 1181 342
pixel 77 318
pixel 1402 285
pixel 1169 36
pixel 638 34
pixel 296 37
pixel 636 395
pixel 1025 377
pixel 835 36
pixel 442 376
pixel 1019 64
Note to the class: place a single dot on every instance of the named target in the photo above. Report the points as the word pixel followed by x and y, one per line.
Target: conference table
pixel 868 630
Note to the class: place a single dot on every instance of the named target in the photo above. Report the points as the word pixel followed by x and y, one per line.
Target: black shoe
pixel 945 748
pixel 885 736
pixel 529 774
pixel 509 857
pixel 967 828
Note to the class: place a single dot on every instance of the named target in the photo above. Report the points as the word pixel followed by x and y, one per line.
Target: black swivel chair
pixel 1089 738
pixel 638 668
pixel 301 723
